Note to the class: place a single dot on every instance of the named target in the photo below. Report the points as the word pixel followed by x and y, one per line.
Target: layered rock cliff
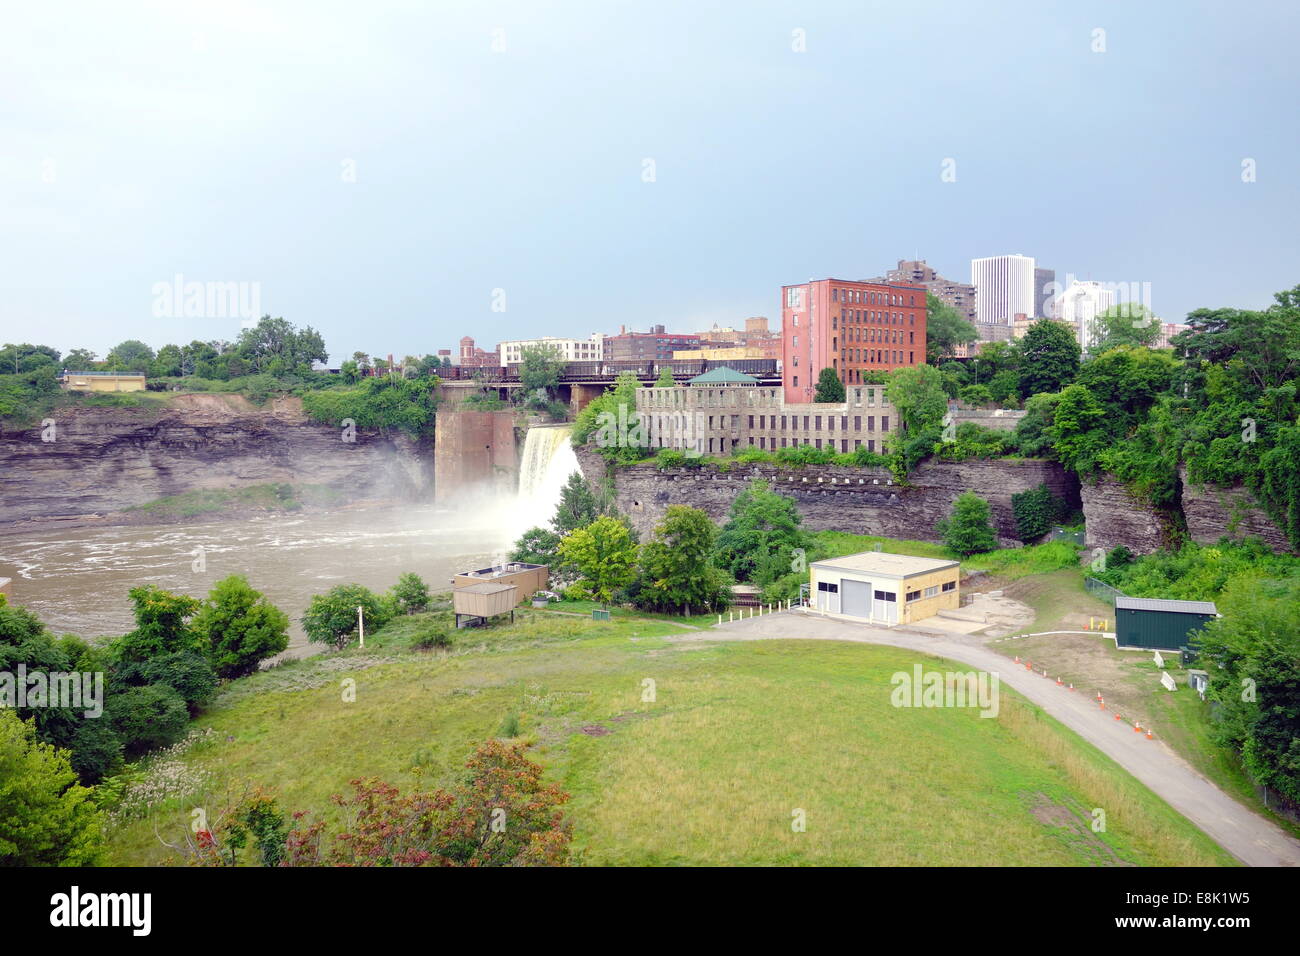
pixel 1214 512
pixel 103 460
pixel 857 500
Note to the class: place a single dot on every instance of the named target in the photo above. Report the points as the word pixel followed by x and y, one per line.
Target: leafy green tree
pixel 162 625
pixel 1032 436
pixel 539 371
pixel 1035 511
pixel 917 394
pixel 187 673
pixel 829 387
pixel 411 593
pixel 278 347
pixel 148 717
pixel 977 396
pixel 612 421
pixel 46 818
pixel 131 356
pixel 239 627
pixel 993 359
pixel 945 329
pixel 665 379
pixel 537 546
pixel 77 360
pixel 331 618
pixel 577 507
pixel 677 571
pixel 1049 358
pixel 16 359
pixel 1078 431
pixel 763 530
pixel 604 554
pixel 968 530
pixel 1128 323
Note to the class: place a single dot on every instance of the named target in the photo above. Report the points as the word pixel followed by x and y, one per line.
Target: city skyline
pixel 645 156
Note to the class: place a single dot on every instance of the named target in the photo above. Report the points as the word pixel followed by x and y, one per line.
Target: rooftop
pixel 895 565
pixel 723 376
pixel 486 587
pixel 1161 604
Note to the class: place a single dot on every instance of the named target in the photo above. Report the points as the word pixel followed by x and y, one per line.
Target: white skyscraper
pixel 1080 304
pixel 1004 287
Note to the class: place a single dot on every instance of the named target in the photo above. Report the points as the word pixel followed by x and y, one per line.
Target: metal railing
pixel 1102 590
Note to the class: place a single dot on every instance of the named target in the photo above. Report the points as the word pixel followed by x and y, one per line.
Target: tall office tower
pixel 1080 304
pixel 1044 291
pixel 1004 287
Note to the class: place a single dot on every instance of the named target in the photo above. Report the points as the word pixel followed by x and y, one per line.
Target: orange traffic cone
pixel 1137 728
pixel 1148 733
pixel 1119 716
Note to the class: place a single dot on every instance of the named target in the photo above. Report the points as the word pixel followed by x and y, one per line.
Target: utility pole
pixel 361 623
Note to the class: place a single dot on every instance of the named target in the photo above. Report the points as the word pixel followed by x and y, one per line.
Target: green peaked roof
pixel 723 376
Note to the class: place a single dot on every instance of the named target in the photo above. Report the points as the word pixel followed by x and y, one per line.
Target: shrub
pixel 967 530
pixel 410 593
pixel 147 717
pixel 240 627
pixel 331 618
pixel 1035 511
pixel 433 634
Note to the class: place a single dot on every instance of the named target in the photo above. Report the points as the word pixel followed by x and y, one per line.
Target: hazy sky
pixel 216 141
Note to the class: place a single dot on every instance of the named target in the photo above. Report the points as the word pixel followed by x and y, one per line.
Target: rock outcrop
pixel 1115 517
pixel 1213 513
pixel 102 459
pixel 857 500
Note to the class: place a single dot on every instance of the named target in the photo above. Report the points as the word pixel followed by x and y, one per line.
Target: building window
pixel 887 596
pixel 828 587
pixel 884 423
pixel 949 586
pixel 817 426
pixel 913 596
pixel 932 591
pixel 796 381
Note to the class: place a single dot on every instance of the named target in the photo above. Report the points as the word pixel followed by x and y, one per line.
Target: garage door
pixel 855 597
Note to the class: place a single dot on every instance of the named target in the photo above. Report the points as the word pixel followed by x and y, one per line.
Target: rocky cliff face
pixel 857 500
pixel 102 460
pixel 1114 517
pixel 1214 512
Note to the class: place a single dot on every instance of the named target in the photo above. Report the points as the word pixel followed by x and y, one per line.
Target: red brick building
pixel 475 357
pixel 851 327
pixel 653 346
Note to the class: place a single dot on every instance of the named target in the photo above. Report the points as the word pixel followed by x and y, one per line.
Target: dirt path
pixel 1247 836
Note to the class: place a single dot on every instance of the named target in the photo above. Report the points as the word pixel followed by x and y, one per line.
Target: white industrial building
pixel 590 349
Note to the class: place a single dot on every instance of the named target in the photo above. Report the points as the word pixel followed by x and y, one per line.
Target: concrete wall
pixel 857 500
pixel 474 450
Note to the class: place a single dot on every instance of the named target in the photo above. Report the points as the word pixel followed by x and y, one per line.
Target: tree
pixel 604 554
pixel 1050 358
pixel 147 718
pixel 331 618
pixel 612 420
pixel 131 356
pixel 279 348
pixel 539 371
pixel 977 396
pixel 1035 511
pixel 577 507
pixel 410 593
pixel 46 818
pixel 762 532
pixel 917 393
pixel 945 329
pixel 677 572
pixel 239 627
pixel 665 379
pixel 537 546
pixel 1129 323
pixel 78 360
pixel 968 531
pixel 161 625
pixel 829 387
pixel 1078 431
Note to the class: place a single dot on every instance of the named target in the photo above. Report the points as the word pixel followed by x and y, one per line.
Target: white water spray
pixel 547 463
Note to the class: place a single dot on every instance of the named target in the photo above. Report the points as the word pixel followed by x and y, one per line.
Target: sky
pixel 400 174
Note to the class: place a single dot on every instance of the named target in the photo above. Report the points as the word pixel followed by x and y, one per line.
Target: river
pixel 77 581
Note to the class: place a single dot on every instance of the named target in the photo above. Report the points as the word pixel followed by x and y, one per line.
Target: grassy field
pixel 737 738
pixel 268 497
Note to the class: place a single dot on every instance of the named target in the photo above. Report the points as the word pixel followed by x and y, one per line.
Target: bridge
pixel 580 382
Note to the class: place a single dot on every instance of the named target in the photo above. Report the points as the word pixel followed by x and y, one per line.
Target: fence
pixel 1102 590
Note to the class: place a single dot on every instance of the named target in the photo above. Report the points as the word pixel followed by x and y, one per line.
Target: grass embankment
pixel 267 497
pixel 708 769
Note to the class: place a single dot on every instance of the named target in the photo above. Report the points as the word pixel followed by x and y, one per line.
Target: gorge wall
pixel 1213 512
pixel 857 500
pixel 104 459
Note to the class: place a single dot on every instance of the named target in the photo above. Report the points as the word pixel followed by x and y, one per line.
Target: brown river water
pixel 77 581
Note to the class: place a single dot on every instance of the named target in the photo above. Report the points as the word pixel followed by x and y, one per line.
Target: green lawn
pixel 737 738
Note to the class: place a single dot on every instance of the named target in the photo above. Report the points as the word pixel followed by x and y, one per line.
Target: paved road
pixel 1243 833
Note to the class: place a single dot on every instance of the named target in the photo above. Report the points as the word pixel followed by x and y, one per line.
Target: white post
pixel 719 618
pixel 730 618
pixel 361 623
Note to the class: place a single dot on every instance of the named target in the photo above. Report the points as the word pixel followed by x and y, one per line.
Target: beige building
pixel 881 588
pixel 101 382
pixel 727 415
pixel 722 354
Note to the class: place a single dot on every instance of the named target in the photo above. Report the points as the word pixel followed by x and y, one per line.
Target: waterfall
pixel 547 464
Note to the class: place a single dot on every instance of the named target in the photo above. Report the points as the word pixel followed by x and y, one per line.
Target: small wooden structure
pixel 475 603
pixel 529 578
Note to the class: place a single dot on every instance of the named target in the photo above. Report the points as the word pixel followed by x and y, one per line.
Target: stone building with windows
pixel 723 412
